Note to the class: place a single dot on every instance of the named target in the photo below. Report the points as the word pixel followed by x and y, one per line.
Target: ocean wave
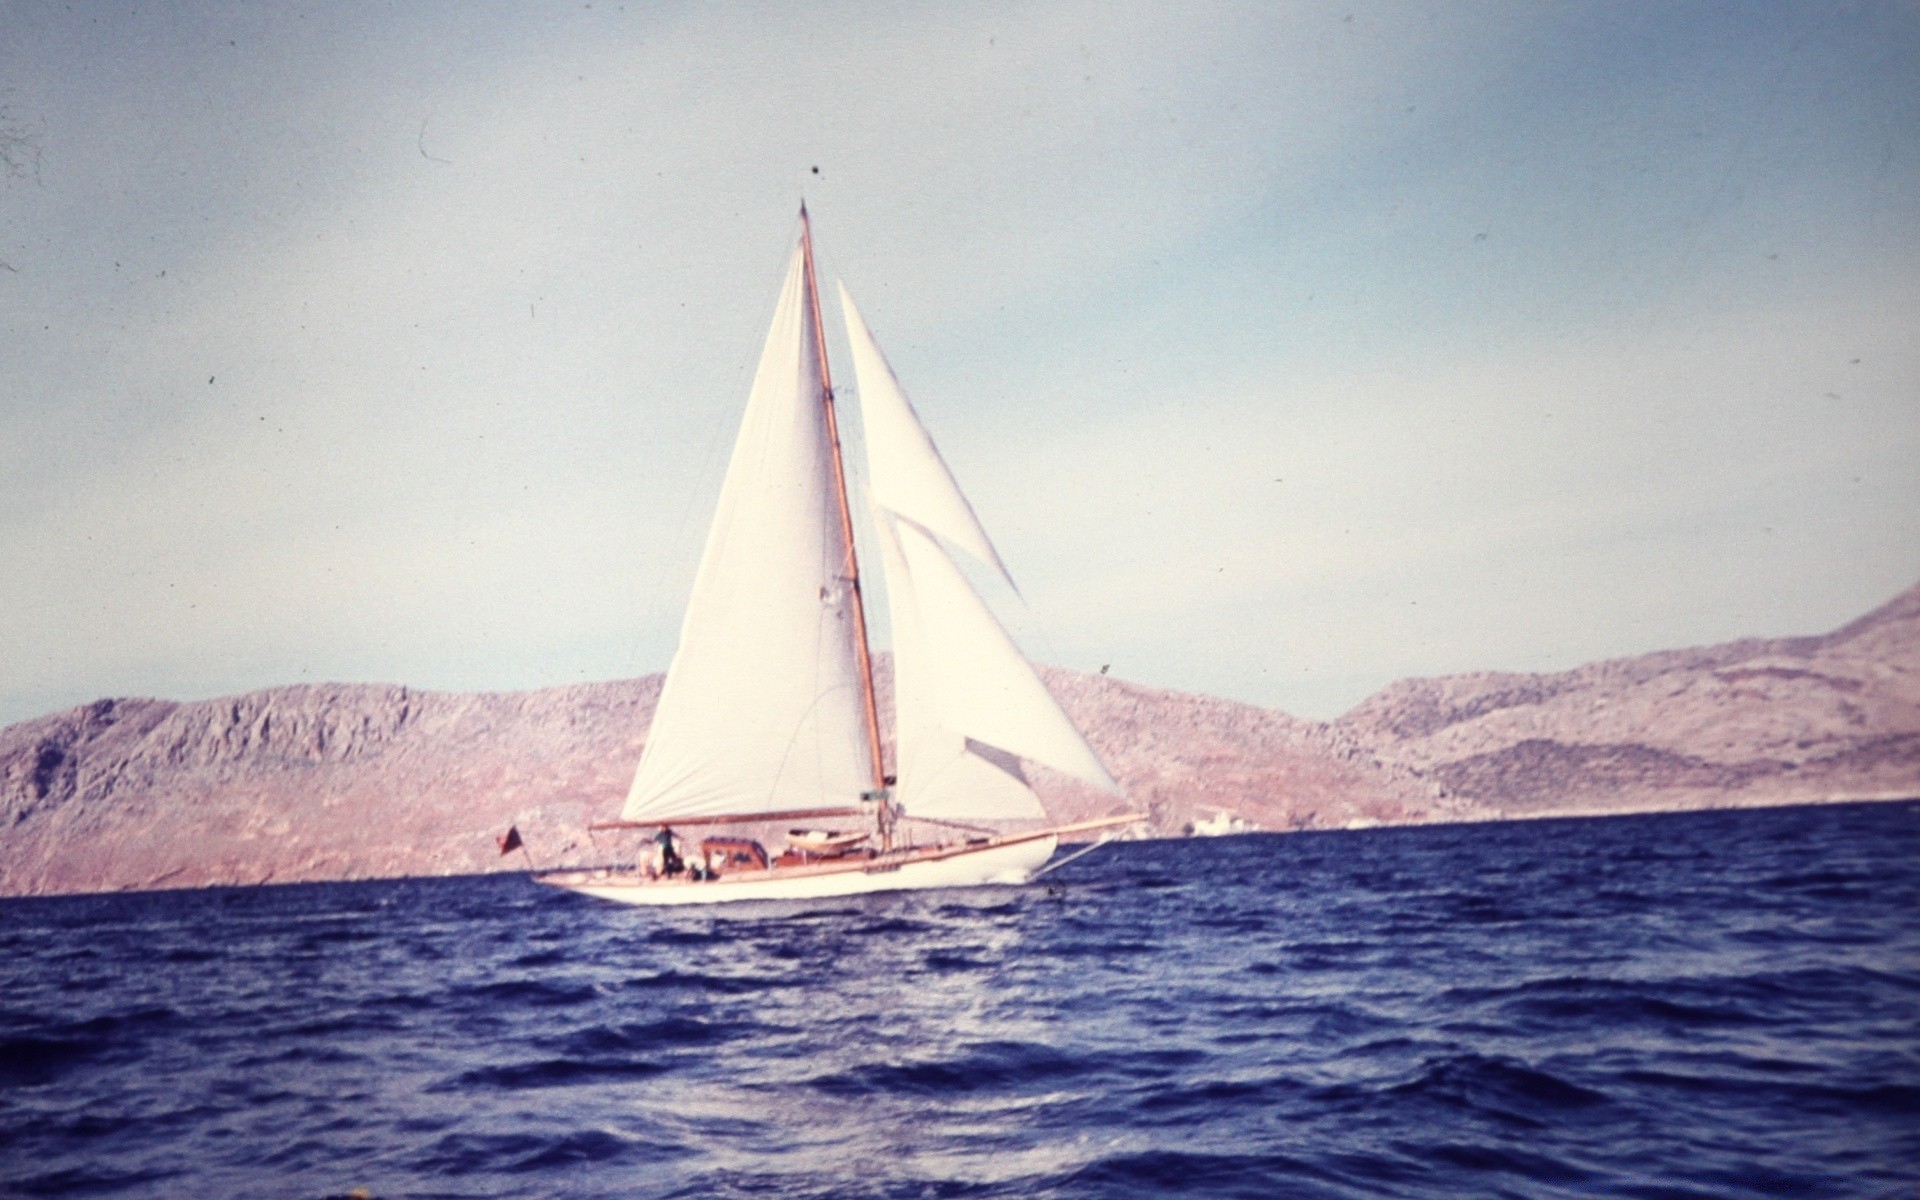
pixel 1711 1005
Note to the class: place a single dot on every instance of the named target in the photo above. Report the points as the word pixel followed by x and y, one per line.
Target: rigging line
pixel 951 824
pixel 793 740
pixel 1055 866
pixel 686 547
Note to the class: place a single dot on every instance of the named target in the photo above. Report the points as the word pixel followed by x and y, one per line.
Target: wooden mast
pixel 861 653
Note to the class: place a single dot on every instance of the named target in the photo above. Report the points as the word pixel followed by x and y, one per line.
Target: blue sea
pixel 1711 1004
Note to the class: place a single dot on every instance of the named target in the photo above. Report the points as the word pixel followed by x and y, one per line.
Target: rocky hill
pixel 1750 722
pixel 361 781
pixel 302 783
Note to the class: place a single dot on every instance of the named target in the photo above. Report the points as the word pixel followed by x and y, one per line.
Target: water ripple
pixel 1711 1005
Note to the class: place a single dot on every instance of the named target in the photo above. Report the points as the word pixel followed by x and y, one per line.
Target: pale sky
pixel 1285 350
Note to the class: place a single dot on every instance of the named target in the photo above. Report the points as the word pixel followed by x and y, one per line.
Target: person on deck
pixel 670 864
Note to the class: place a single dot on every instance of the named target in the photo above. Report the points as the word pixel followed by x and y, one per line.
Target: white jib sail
pixel 981 685
pixel 941 772
pixel 908 476
pixel 762 708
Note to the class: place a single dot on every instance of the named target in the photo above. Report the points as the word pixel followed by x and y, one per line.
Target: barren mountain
pixel 1750 722
pixel 358 781
pixel 302 783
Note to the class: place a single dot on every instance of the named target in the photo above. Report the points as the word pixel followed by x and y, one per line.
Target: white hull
pixel 1004 861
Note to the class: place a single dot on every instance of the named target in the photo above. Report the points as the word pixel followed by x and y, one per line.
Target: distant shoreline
pixel 365 781
pixel 1829 802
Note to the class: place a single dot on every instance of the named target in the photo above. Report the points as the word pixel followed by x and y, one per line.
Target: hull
pixel 1002 861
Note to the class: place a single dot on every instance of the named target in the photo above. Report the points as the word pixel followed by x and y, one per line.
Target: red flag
pixel 510 840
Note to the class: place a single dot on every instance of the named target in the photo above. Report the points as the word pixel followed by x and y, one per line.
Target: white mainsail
pixel 762 710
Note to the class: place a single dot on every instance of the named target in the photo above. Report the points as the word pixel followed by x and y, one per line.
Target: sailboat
pixel 769 715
